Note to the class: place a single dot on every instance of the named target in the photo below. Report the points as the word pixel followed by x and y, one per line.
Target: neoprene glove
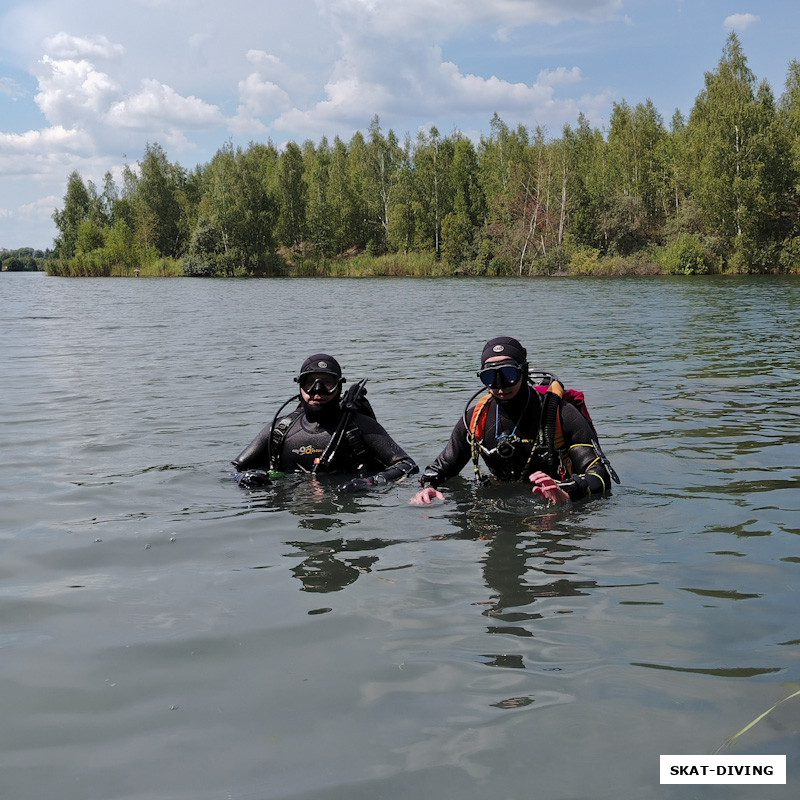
pixel 253 479
pixel 362 484
pixel 356 485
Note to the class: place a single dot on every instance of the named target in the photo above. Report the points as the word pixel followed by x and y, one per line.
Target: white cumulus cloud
pixel 158 103
pixel 65 46
pixel 740 22
pixel 34 141
pixel 258 97
pixel 72 90
pixel 559 76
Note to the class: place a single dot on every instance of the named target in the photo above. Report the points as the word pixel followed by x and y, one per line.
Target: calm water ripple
pixel 167 635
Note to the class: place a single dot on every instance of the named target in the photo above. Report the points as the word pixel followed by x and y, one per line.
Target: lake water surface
pixel 168 636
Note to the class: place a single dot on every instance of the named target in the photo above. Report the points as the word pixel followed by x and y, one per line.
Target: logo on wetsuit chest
pixel 308 450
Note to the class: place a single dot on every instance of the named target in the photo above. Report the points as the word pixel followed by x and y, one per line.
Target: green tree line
pixel 22 259
pixel 715 192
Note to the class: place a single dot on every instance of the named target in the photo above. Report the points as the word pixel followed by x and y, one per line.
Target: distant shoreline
pixel 389 266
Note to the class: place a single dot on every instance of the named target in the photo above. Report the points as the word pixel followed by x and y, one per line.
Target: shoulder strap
pixel 551 435
pixel 355 441
pixel 477 422
pixel 279 431
pixel 476 427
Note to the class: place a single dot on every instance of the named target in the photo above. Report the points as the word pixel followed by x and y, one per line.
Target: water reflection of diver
pixel 522 432
pixel 328 431
pixel 328 560
pixel 333 564
pixel 533 564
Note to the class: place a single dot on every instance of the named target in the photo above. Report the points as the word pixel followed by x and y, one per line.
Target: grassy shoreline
pixel 412 265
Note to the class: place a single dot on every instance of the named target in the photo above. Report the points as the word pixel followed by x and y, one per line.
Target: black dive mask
pixel 500 375
pixel 318 383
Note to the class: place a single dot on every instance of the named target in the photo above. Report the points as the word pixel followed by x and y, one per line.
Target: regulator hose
pixel 551 405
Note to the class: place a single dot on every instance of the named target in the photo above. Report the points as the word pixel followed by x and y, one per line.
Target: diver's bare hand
pixel 547 488
pixel 424 496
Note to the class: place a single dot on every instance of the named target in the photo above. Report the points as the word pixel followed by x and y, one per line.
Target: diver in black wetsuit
pixel 325 433
pixel 521 434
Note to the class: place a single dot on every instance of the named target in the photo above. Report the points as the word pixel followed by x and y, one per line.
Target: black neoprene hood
pixel 505 346
pixel 321 362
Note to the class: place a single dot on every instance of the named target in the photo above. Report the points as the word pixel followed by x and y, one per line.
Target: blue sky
pixel 86 84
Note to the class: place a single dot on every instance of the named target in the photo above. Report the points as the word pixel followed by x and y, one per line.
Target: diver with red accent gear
pixel 327 432
pixel 505 429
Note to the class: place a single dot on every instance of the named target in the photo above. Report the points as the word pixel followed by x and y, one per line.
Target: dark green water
pixel 168 636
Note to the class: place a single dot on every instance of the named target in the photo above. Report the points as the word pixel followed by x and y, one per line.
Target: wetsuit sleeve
pixel 589 475
pixel 385 451
pixel 451 460
pixel 256 454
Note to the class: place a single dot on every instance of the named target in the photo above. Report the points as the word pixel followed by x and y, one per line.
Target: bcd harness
pixel 549 445
pixel 353 401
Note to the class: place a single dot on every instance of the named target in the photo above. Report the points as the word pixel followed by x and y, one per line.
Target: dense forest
pixel 717 192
